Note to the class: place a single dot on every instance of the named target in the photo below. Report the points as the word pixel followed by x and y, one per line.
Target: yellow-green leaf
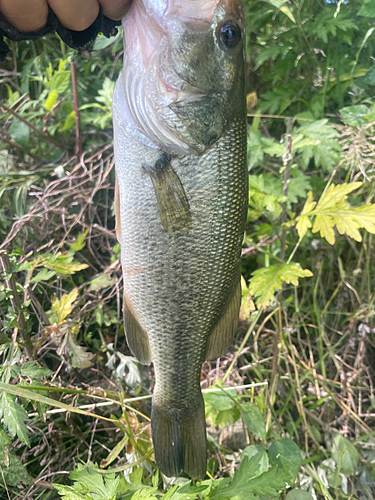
pixel 333 210
pixel 51 100
pixel 303 221
pixel 63 307
pixel 269 279
pixel 336 195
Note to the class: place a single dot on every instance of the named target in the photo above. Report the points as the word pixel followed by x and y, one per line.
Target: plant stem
pixel 48 138
pixel 16 303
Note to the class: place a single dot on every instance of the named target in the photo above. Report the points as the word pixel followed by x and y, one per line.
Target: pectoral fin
pixel 172 201
pixel 136 337
pixel 117 211
pixel 222 335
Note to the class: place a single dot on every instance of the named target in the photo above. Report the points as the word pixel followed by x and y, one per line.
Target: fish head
pixel 184 70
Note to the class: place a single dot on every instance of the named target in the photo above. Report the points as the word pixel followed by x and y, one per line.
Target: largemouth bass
pixel 180 149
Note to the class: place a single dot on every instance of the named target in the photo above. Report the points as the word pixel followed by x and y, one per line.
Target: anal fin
pixel 222 335
pixel 172 201
pixel 136 337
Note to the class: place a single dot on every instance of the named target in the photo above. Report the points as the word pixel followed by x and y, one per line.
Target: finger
pixel 25 15
pixel 115 9
pixel 76 15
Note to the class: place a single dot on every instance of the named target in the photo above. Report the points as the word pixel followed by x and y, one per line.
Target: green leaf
pixel 33 370
pixel 253 419
pixel 369 78
pixel 103 42
pixel 344 454
pixel 20 132
pixel 100 487
pixel 299 185
pixel 101 281
pixel 368 9
pixel 35 396
pixel 60 81
pixel 220 400
pixel 51 100
pixel 285 454
pixel 79 356
pixel 12 472
pixel 326 148
pixel 69 122
pixel 63 307
pixel 260 452
pixel 247 481
pixel 14 416
pixel 80 242
pixel 43 275
pixel 280 4
pixel 267 280
pixel 298 495
pixel 69 493
pixel 115 452
pixel 355 115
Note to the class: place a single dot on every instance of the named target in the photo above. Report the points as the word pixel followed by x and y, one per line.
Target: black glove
pixel 79 40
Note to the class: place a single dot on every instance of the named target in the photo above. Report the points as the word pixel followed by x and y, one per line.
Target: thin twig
pixel 78 146
pixel 48 138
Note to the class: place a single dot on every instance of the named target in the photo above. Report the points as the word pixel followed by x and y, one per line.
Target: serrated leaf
pixel 33 370
pixel 285 454
pixel 246 482
pixel 69 493
pixel 12 470
pixel 100 487
pixel 80 242
pixel 303 221
pixel 80 357
pixel 325 152
pixel 267 280
pixel 14 416
pixel 260 452
pixel 333 210
pixel 43 275
pixel 63 307
pixel 253 419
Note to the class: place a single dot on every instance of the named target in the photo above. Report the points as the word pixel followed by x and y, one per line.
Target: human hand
pixel 77 15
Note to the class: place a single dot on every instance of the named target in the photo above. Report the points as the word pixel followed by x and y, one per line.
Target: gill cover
pixel 182 62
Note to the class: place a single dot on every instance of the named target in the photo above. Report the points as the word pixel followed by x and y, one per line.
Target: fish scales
pixel 182 207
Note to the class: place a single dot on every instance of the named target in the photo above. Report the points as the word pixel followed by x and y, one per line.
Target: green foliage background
pixel 73 402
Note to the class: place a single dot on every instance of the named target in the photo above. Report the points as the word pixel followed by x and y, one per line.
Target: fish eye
pixel 230 34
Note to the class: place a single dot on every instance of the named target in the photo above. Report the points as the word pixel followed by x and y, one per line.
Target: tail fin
pixel 179 437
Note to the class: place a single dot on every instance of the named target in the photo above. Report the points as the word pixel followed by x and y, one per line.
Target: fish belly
pixel 182 289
